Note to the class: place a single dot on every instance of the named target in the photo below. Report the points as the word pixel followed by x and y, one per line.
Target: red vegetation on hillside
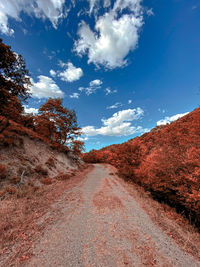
pixel 14 83
pixel 19 225
pixel 3 171
pixel 165 161
pixel 55 124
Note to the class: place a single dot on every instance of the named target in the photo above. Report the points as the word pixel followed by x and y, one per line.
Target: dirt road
pixel 101 224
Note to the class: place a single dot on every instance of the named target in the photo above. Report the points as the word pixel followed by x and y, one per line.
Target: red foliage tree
pixel 77 147
pixel 165 161
pixel 58 124
pixel 14 83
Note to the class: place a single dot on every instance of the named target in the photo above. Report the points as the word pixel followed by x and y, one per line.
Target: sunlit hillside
pixel 165 161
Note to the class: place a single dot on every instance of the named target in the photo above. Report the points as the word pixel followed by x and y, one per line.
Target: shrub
pixel 46 181
pixel 3 171
pixel 165 161
pixel 11 189
pixel 63 176
pixel 40 170
pixel 2 193
pixel 50 162
pixel 14 179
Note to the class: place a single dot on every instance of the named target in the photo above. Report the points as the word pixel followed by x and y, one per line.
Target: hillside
pixel 165 162
pixel 29 159
pixel 33 174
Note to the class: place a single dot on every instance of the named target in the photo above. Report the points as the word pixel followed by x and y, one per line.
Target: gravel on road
pixel 101 224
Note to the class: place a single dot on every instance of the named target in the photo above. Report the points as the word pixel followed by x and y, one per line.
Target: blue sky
pixel 125 66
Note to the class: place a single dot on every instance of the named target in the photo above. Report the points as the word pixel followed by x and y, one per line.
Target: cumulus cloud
pixel 82 138
pixel 52 73
pixel 96 83
pixel 170 119
pixel 45 88
pixel 93 86
pixel 71 73
pixel 94 5
pixel 88 90
pixel 116 105
pixel 120 124
pixel 116 34
pixel 4 28
pixel 74 95
pixel 45 9
pixel 30 110
pixel 106 3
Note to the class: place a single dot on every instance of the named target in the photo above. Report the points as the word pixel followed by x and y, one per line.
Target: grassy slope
pixel 165 161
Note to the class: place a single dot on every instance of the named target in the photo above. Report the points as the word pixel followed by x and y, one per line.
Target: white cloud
pixel 116 105
pixel 106 3
pixel 170 119
pixel 91 89
pixel 74 95
pixel 25 31
pixel 95 83
pixel 88 90
pixel 161 110
pixel 109 91
pixel 52 73
pixel 150 12
pixel 45 88
pixel 124 115
pixel 62 64
pixel 116 34
pixel 94 5
pixel 117 125
pixel 30 110
pixel 71 73
pixel 129 101
pixel 82 138
pixel 89 130
pixel 44 9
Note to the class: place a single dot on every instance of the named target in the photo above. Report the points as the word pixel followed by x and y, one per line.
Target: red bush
pixel 63 176
pixel 3 171
pixel 46 181
pixel 50 162
pixel 165 161
pixel 14 179
pixel 39 169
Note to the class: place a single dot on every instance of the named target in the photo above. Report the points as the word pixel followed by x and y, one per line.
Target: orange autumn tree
pixel 14 83
pixel 58 124
pixel 77 147
pixel 165 161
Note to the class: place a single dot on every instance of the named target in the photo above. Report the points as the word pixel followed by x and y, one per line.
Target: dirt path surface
pixel 101 224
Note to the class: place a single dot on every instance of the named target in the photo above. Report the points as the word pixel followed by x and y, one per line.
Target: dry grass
pixel 173 224
pixel 14 179
pixel 19 213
